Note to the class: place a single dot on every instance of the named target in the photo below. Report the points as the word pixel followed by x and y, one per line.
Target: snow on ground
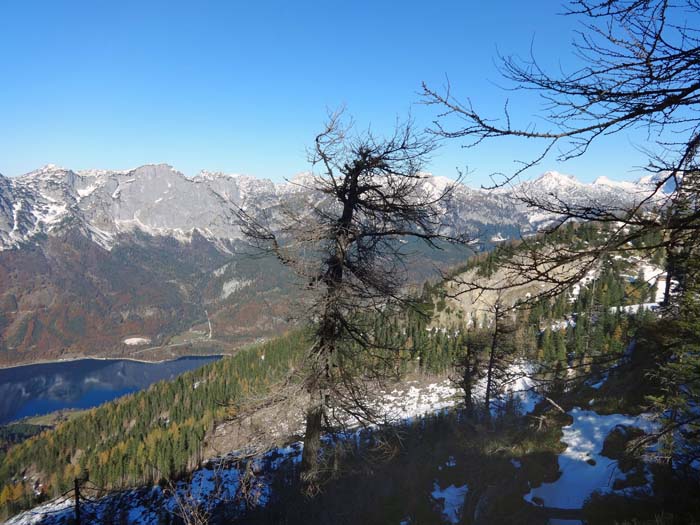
pixel 587 279
pixel 523 388
pixel 54 212
pixel 85 192
pixel 597 385
pixel 520 387
pixel 405 403
pixel 563 324
pixel 134 341
pixel 451 499
pixel 583 469
pixel 542 219
pixel 634 308
pixel 214 484
pixel 660 290
pixel 653 275
pixel 54 508
pixel 101 237
pixel 221 270
pixel 16 208
pixel 209 486
pixel 402 404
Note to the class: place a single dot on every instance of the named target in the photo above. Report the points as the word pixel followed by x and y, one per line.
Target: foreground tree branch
pixel 640 69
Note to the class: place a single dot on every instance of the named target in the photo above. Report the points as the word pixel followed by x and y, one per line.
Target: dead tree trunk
pixel 344 245
pixel 329 332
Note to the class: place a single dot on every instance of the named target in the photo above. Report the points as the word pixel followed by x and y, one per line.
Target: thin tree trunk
pixel 310 468
pixel 489 380
pixel 492 362
pixel 468 375
pixel 467 385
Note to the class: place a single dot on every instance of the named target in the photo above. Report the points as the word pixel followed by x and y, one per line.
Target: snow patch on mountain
pixel 159 200
pixel 86 192
pixel 232 286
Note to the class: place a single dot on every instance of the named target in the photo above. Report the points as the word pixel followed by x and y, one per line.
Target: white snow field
pixel 519 387
pixel 581 477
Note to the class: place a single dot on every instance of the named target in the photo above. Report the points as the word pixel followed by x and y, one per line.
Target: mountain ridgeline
pixel 149 263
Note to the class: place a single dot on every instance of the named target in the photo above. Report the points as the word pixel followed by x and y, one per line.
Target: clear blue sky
pixel 244 86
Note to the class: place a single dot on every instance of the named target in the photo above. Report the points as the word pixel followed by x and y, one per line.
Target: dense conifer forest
pixel 145 437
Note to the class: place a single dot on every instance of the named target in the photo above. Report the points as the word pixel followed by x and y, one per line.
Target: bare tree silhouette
pixel 368 195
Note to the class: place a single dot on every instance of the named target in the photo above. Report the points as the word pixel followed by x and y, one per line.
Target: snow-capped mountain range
pixel 106 263
pixel 158 200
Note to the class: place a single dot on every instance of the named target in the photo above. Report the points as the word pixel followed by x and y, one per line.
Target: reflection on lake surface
pixel 39 389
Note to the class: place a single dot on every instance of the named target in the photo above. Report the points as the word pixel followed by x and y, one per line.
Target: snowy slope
pixel 584 470
pixel 218 480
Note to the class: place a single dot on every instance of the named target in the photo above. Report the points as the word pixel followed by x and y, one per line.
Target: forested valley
pixel 569 342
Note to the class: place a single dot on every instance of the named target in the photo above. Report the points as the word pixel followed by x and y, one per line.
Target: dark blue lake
pixel 39 389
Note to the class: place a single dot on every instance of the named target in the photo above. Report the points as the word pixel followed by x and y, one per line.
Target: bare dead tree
pixel 364 196
pixel 640 69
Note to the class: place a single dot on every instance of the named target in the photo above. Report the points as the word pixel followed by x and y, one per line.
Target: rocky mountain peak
pixel 159 200
pixel 556 181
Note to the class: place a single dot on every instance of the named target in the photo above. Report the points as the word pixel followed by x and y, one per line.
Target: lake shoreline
pixel 101 358
pixel 48 387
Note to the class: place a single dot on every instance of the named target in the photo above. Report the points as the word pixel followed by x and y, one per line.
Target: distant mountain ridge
pixel 91 261
pixel 158 200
